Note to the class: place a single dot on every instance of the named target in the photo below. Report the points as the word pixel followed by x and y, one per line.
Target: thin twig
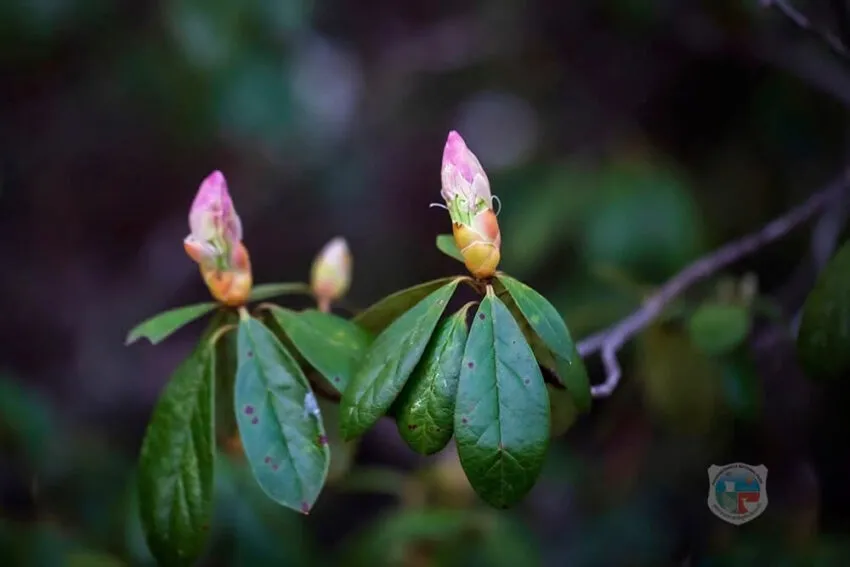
pixel 611 340
pixel 835 44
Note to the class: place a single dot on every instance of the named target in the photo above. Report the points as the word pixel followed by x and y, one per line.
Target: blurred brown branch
pixel 835 44
pixel 612 339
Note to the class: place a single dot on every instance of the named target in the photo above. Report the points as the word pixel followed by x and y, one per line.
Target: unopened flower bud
pixel 330 276
pixel 466 191
pixel 215 242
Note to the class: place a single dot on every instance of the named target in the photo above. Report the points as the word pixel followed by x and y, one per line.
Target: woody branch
pixel 609 341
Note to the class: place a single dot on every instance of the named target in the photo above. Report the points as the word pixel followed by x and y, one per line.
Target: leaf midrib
pixel 498 388
pixel 501 368
pixel 411 337
pixel 187 448
pixel 430 406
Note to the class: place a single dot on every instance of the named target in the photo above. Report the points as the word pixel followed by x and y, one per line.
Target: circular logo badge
pixel 737 492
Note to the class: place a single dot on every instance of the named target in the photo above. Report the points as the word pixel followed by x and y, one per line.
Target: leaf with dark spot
pixel 279 433
pixel 502 424
pixel 550 339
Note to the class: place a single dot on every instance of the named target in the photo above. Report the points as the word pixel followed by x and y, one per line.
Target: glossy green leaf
pixel 159 327
pixel 425 408
pixel 279 420
pixel 176 465
pixel 502 418
pixel 543 317
pixel 267 291
pixel 266 317
pixel 381 314
pixel 446 244
pixel 719 328
pixel 823 341
pixel 541 352
pixel 548 326
pixel 390 360
pixel 330 344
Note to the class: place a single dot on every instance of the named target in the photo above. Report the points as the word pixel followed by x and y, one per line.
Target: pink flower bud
pixel 466 191
pixel 330 275
pixel 466 188
pixel 215 242
pixel 212 215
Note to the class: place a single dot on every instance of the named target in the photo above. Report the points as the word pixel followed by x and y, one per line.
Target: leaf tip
pixel 305 508
pixel 134 336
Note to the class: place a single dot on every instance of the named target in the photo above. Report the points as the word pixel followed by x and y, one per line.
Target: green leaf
pixel 502 409
pixel 330 344
pixel 425 408
pixel 823 341
pixel 446 244
pixel 543 317
pixel 267 291
pixel 159 327
pixel 389 362
pixel 550 328
pixel 176 465
pixel 266 317
pixel 719 328
pixel 381 314
pixel 281 426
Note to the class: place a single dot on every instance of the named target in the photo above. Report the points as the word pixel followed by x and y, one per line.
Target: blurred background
pixel 623 138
